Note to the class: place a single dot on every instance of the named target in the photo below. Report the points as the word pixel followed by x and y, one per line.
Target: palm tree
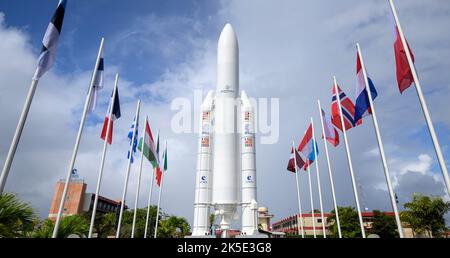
pixel 69 225
pixel 17 218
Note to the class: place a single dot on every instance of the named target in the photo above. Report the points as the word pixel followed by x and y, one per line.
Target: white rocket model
pixel 226 154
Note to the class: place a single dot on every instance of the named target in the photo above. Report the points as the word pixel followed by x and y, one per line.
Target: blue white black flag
pixel 97 86
pixel 50 41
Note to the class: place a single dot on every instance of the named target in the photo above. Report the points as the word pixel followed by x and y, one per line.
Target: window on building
pixel 319 220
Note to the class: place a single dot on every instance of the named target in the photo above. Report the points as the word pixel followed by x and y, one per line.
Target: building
pixel 264 218
pixel 289 225
pixel 78 201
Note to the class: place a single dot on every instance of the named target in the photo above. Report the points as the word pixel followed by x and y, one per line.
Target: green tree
pixel 425 215
pixel 173 227
pixel 348 218
pixel 141 216
pixel 104 224
pixel 69 225
pixel 383 225
pixel 17 219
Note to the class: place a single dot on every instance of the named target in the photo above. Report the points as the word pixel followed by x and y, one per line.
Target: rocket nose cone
pixel 228 37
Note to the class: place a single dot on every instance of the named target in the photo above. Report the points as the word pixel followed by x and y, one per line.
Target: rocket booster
pixel 220 179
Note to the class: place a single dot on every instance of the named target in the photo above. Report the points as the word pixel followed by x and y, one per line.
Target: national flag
pixel 134 131
pixel 97 86
pixel 115 115
pixel 158 166
pixel 158 175
pixel 157 148
pixel 306 146
pixel 311 157
pixel 50 41
pixel 362 105
pixel 348 111
pixel 331 134
pixel 159 172
pixel 403 70
pixel 149 146
pixel 298 160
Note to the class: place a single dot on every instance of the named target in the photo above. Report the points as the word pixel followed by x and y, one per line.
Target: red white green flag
pixel 159 172
pixel 149 146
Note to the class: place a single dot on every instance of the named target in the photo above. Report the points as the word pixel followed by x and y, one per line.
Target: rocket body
pixel 228 150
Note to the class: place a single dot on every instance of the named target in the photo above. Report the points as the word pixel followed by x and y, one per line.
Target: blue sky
pixel 86 21
pixel 166 49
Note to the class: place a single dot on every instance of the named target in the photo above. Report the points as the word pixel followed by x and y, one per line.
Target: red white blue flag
pixel 306 147
pixel 115 115
pixel 362 104
pixel 331 134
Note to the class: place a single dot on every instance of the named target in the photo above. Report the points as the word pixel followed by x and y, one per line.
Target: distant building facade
pixel 78 201
pixel 289 225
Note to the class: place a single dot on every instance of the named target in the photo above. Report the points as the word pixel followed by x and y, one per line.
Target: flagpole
pixel 47 44
pixel 318 180
pixel 138 184
pixel 105 145
pixel 380 144
pixel 311 197
pixel 77 142
pixel 423 104
pixel 148 205
pixel 17 134
pixel 149 197
pixel 349 158
pixel 299 225
pixel 125 186
pixel 159 195
pixel 329 173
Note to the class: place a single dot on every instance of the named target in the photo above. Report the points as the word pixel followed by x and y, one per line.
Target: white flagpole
pixel 329 173
pixel 349 158
pixel 423 104
pixel 148 204
pixel 77 142
pixel 380 145
pixel 149 199
pixel 318 180
pixel 139 183
pixel 312 202
pixel 17 134
pixel 160 191
pixel 299 225
pixel 100 172
pixel 125 186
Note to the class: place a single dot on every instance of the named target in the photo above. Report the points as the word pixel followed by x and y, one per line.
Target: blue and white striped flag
pixel 134 127
pixel 50 41
pixel 97 86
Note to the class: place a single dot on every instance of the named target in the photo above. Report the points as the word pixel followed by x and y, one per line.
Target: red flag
pixel 348 111
pixel 404 74
pixel 306 141
pixel 298 160
pixel 158 175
